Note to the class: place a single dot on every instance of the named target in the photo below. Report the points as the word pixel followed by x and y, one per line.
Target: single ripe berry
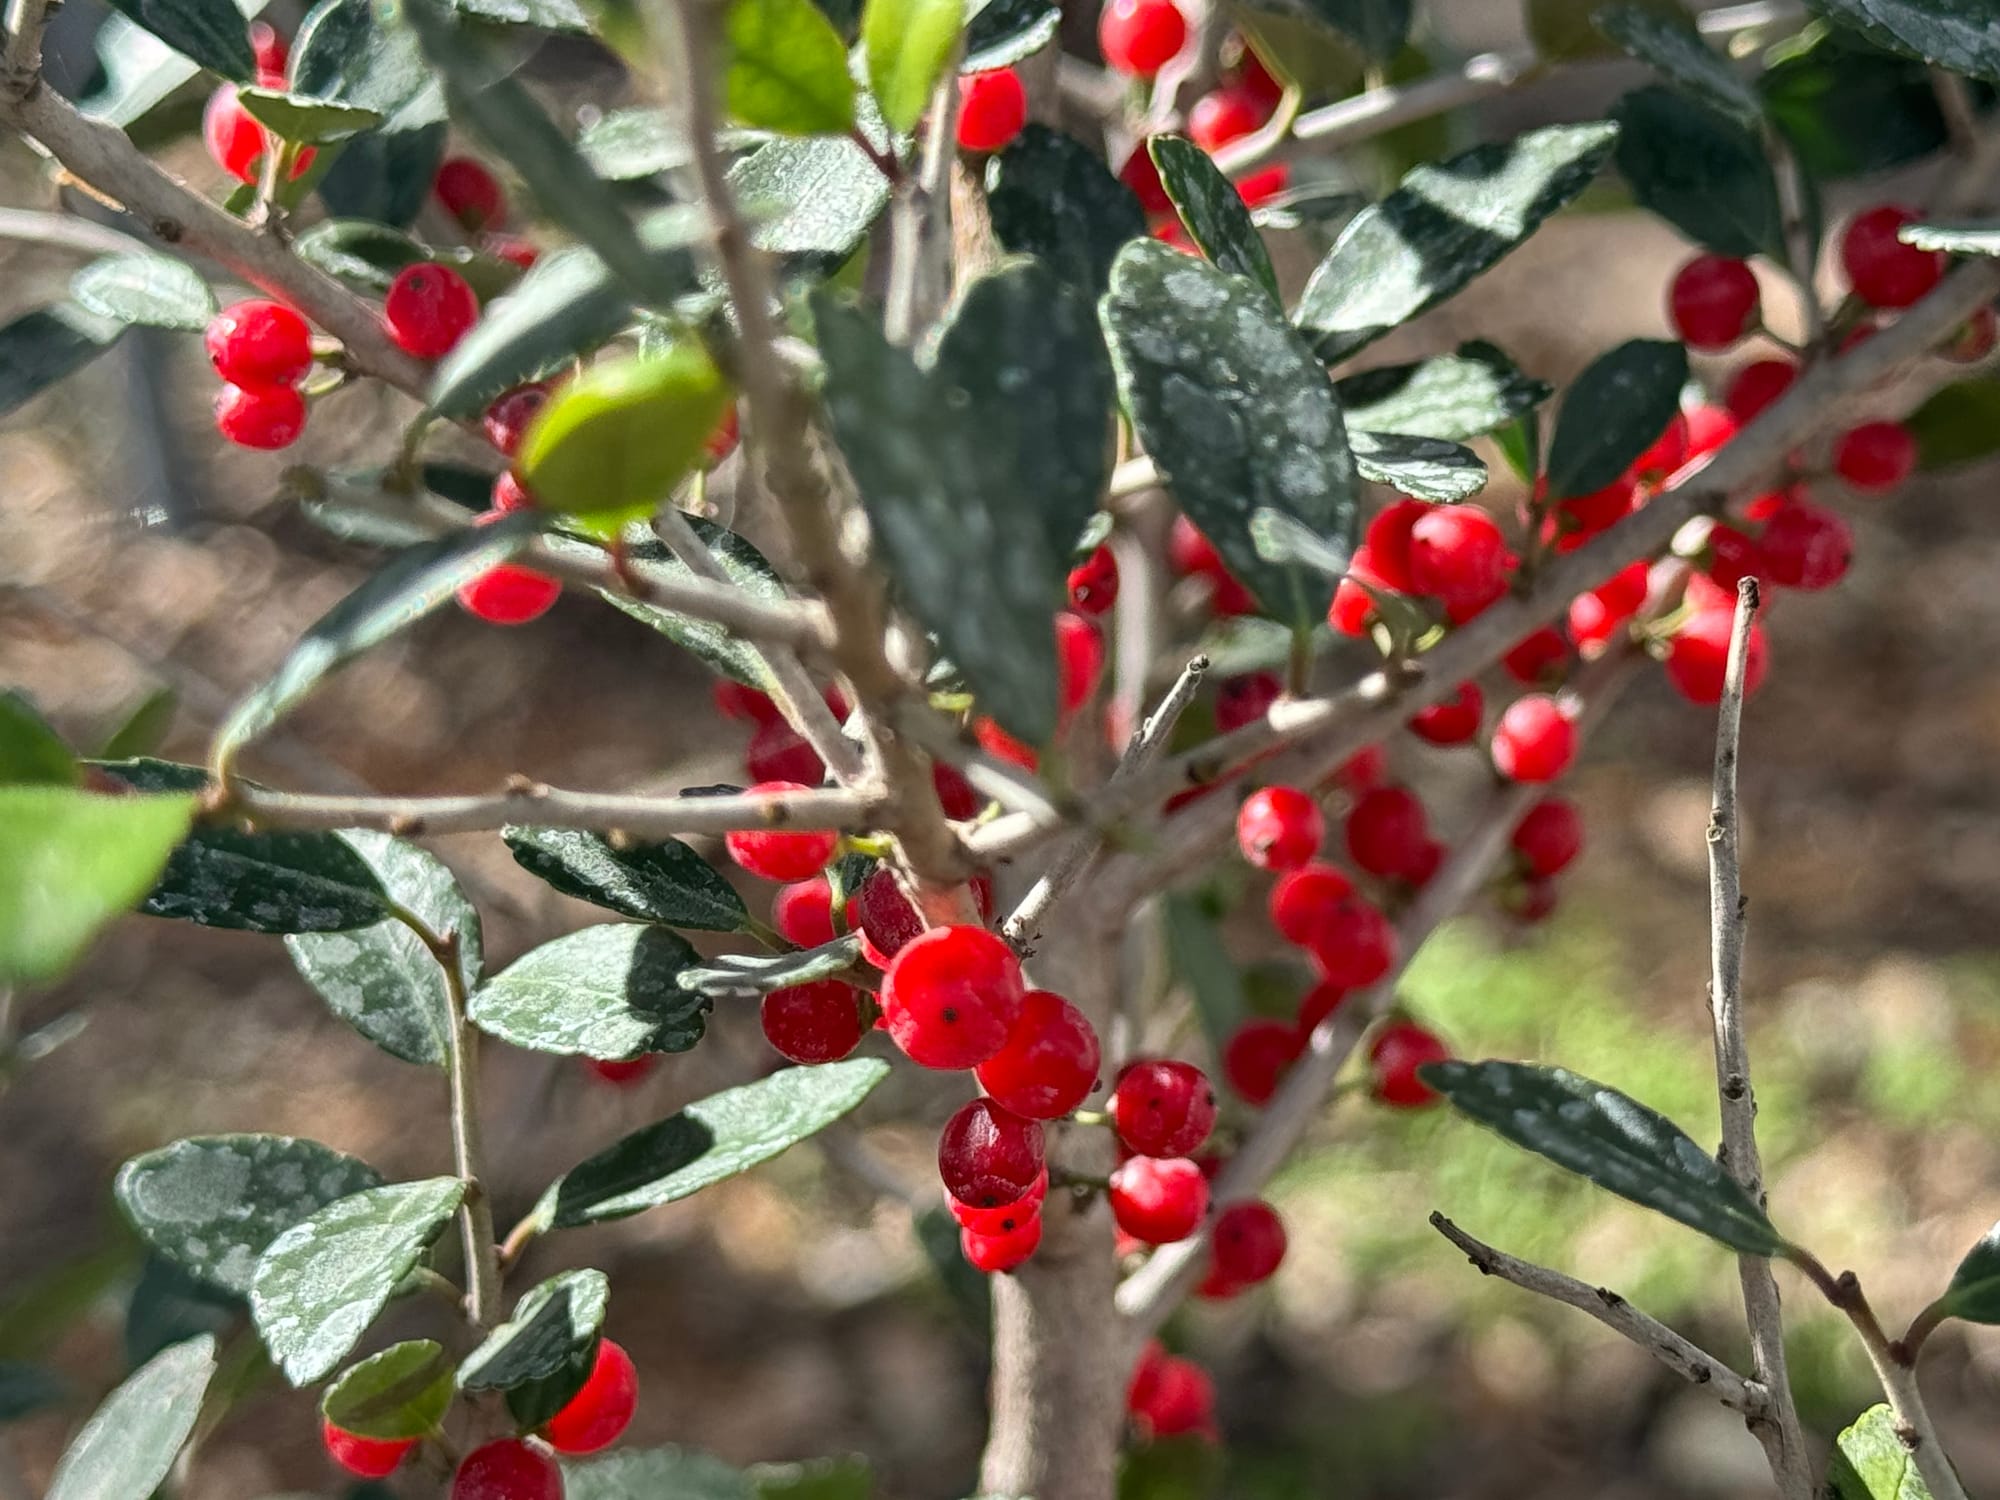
pixel 1805 546
pixel 1049 1065
pixel 1575 519
pixel 776 855
pixel 778 752
pixel 1399 1049
pixel 1387 831
pixel 623 1073
pixel 1279 828
pixel 1365 768
pixel 1003 1218
pixel 368 1458
pixel 1257 1056
pixel 1549 836
pixel 954 793
pixel 1355 945
pixel 1170 1396
pixel 998 1253
pixel 428 309
pixel 1458 554
pixel 507 1470
pixel 1454 721
pixel 510 594
pixel 1140 37
pixel 1246 699
pixel 1079 661
pixel 1538 658
pixel 1668 452
pixel 745 704
pixel 1535 740
pixel 234 140
pixel 803 912
pixel 1158 1201
pixel 259 343
pixel 952 996
pixel 507 420
pixel 1353 604
pixel 1884 271
pixel 992 108
pixel 1264 184
pixel 1596 615
pixel 988 1155
pixel 1713 301
pixel 886 918
pixel 1698 657
pixel 1304 898
pixel 1226 115
pixel 469 193
pixel 814 1023
pixel 260 416
pixel 1162 1107
pixel 1757 385
pixel 1876 455
pixel 1093 583
pixel 1248 1242
pixel 602 1409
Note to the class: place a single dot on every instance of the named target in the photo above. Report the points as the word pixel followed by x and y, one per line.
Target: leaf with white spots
pixel 1428 468
pixel 1211 209
pixel 127 1448
pixel 1467 394
pixel 1051 196
pixel 610 992
pixel 542 1355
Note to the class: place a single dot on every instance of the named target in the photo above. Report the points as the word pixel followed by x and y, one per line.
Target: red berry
pixel 887 920
pixel 1454 721
pixel 509 594
pixel 259 343
pixel 1193 555
pixel 509 494
pixel 595 1416
pixel 622 1073
pixel 1264 184
pixel 1256 79
pixel 1139 174
pixel 271 53
pixel 1708 428
pixel 1698 657
pixel 1388 542
pixel 778 752
pixel 1228 114
pixel 1353 604
pixel 1399 1049
pixel 1732 557
pixel 1884 271
pixel 1140 36
pixel 507 1470
pixel 1248 1242
pixel 1246 699
pixel 996 1253
pixel 1049 1065
pixel 786 855
pixel 1004 1218
pixel 1538 658
pixel 1806 546
pixel 992 108
pixel 512 249
pixel 1257 1056
pixel 1713 302
pixel 469 193
pixel 735 701
pixel 1162 1107
pixel 1876 455
pixel 369 1458
pixel 1158 1201
pixel 1575 519
pixel 1535 740
pixel 1304 898
pixel 952 996
pixel 818 1022
pixel 1668 452
pixel 507 419
pixel 1594 617
pixel 1458 554
pixel 954 793
pixel 1549 836
pixel 998 742
pixel 1387 831
pixel 1757 385
pixel 1093 583
pixel 722 442
pixel 234 140
pixel 1363 769
pixel 989 1156
pixel 428 309
pixel 803 912
pixel 260 416
pixel 1279 828
pixel 1176 1399
pixel 1079 661
pixel 1355 945
pixel 1321 1001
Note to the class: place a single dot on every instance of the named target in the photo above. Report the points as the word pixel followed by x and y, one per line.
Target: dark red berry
pixel 1884 271
pixel 1005 1217
pixel 595 1416
pixel 803 912
pixel 623 1072
pixel 507 1470
pixel 259 343
pixel 778 752
pixel 427 309
pixel 813 1023
pixel 1454 721
pixel 988 1155
pixel 1805 546
pixel 470 193
pixel 1535 739
pixel 1279 828
pixel 1227 114
pixel 997 1253
pixel 952 996
pixel 992 108
pixel 1549 836
pixel 775 854
pixel 1698 657
pixel 260 416
pixel 1355 945
pixel 954 793
pixel 1387 831
pixel 365 1457
pixel 1365 768
pixel 1140 37
pixel 1049 1065
pixel 1093 583
pixel 1757 385
pixel 1458 554
pixel 1713 302
pixel 887 920
pixel 1079 661
pixel 1139 174
pixel 1162 1107
pixel 1304 898
pixel 735 701
pixel 1399 1049
pixel 1538 658
pixel 507 419
pixel 1248 1242
pixel 1876 455
pixel 1388 542
pixel 1256 1057
pixel 1158 1201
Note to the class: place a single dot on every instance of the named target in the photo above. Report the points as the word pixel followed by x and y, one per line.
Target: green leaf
pixel 787 68
pixel 1613 1140
pixel 1616 409
pixel 1198 959
pixel 658 882
pixel 363 254
pixel 845 1478
pixel 70 861
pixel 628 144
pixel 1871 1462
pixel 145 728
pixel 1428 468
pixel 736 975
pixel 908 43
pixel 1958 35
pixel 320 1283
pixel 209 31
pixel 155 290
pixel 1974 1293
pixel 1445 224
pixel 127 1448
pixel 1958 423
pixel 357 53
pixel 1212 210
pixel 681 1473
pixel 1675 49
pixel 1954 239
pixel 708 1142
pixel 168 1306
pixel 621 435
pixel 298 117
pixel 1051 196
pixel 404 590
pixel 382 979
pixel 49 344
pixel 1451 396
pixel 543 1354
pixel 813 198
pixel 1700 171
pixel 1848 108
pixel 1001 33
pixel 25 1389
pixel 403 1392
pixel 31 752
pixel 1235 410
pixel 210 1204
pixel 608 992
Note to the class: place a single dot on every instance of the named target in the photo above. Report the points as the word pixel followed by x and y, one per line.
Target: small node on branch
pixel 406 825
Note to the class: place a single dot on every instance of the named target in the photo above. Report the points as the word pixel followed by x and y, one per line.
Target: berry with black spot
pixel 1162 1107
pixel 952 996
pixel 988 1156
pixel 1279 828
pixel 1049 1065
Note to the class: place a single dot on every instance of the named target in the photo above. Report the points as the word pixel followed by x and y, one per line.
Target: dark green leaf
pixel 732 975
pixel 299 117
pixel 811 198
pixel 403 1392
pixel 1001 33
pixel 1675 49
pixel 1846 107
pixel 209 31
pixel 382 979
pixel 357 53
pixel 1199 960
pixel 1960 35
pixel 908 45
pixel 135 70
pixel 1212 210
pixel 1974 1293
pixel 663 882
pixel 609 992
pixel 384 174
pixel 145 728
pixel 1051 196
pixel 1235 410
pixel 127 1447
pixel 1451 396
pixel 71 861
pixel 1443 226
pixel 1871 1462
pixel 542 1355
pixel 1562 30
pixel 1700 171
pixel 1428 468
pixel 786 69
pixel 360 252
pixel 1613 1140
pixel 1615 411
pixel 25 1389
pixel 1520 443
pixel 31 752
pixel 1955 239
pixel 1957 424
pixel 816 1479
pixel 320 1283
pixel 168 1306
pixel 680 1473
pixel 155 290
pixel 212 1203
pixel 715 1139
pixel 39 348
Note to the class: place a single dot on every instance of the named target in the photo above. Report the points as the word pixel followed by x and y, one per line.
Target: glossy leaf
pixel 1444 225
pixel 210 1204
pixel 321 1283
pixel 127 1448
pixel 1700 171
pixel 1450 396
pixel 1235 410
pixel 1616 409
pixel 653 882
pixel 1958 423
pixel 1280 539
pixel 1955 239
pixel 155 290
pixel 1428 468
pixel 1613 1140
pixel 145 728
pixel 209 31
pixel 1962 36
pixel 621 435
pixel 357 53
pixel 1001 33
pixel 812 198
pixel 31 752
pixel 708 1142
pixel 402 1392
pixel 1212 210
pixel 299 117
pixel 135 70
pixel 739 975
pixel 786 68
pixel 70 861
pixel 49 344
pixel 908 45
pixel 609 992
pixel 1974 1293
pixel 542 1355
pixel 1051 196
pixel 1870 1462
pixel 1848 108
pixel 1675 49
pixel 681 1473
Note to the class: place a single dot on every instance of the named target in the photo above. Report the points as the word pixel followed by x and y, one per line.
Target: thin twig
pixel 21 63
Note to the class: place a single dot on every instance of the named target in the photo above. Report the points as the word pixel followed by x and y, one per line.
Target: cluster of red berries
pixel 1130 31
pixel 515 1468
pixel 235 140
pixel 262 350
